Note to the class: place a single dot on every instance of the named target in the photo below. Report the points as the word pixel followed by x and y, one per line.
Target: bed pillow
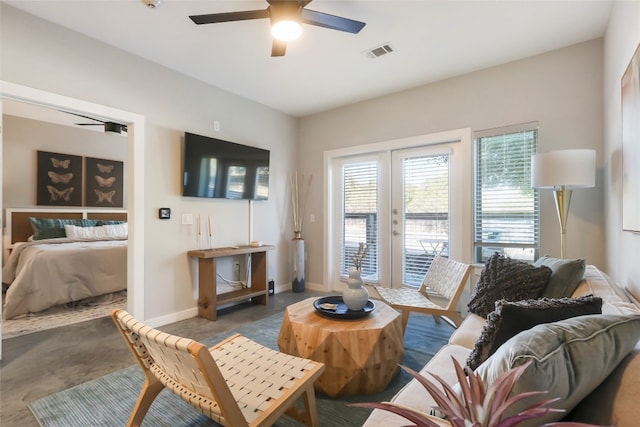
pixel 569 359
pixel 52 228
pixel 508 279
pixel 511 318
pixel 103 232
pixel 566 275
pixel 110 222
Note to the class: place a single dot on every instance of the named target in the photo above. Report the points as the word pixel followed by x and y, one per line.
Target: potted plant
pixel 475 406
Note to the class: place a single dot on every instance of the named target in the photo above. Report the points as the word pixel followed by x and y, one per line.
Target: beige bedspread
pixel 45 273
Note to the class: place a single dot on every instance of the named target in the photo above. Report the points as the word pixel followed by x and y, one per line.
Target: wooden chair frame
pixel 446 278
pixel 264 383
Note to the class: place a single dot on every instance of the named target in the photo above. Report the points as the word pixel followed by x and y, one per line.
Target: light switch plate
pixel 187 219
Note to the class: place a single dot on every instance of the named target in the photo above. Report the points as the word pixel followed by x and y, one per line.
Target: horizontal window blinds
pixel 506 208
pixel 360 216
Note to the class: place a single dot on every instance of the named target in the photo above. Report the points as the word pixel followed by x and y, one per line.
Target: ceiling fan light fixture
pixel 286 30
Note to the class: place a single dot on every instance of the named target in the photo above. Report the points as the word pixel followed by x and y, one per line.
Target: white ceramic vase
pixel 355 294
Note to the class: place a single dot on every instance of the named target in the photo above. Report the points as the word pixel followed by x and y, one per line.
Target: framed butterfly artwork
pixel 104 183
pixel 59 179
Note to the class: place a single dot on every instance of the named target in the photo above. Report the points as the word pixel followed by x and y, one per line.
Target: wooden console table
pixel 208 299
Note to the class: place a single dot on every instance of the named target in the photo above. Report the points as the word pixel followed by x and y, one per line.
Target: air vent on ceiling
pixel 379 51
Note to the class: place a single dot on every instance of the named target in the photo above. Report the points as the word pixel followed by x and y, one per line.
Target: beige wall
pixel 623 247
pixel 561 89
pixel 41 55
pixel 22 138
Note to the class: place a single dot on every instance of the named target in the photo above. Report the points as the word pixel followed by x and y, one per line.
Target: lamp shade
pixel 564 168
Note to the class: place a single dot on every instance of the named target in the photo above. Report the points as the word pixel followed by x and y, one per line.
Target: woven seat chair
pixel 237 382
pixel 445 279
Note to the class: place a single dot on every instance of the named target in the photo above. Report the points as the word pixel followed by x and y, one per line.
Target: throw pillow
pixel 566 275
pixel 511 318
pixel 569 359
pixel 52 228
pixel 508 279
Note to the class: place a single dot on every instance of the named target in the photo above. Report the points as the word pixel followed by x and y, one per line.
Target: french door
pixel 419 212
pixel 407 204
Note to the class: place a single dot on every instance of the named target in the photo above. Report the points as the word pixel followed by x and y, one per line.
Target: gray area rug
pixel 109 400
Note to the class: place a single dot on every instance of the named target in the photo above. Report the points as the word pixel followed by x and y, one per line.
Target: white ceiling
pixel 325 69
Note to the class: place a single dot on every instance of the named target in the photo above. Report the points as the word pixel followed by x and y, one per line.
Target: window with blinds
pixel 426 214
pixel 360 216
pixel 506 208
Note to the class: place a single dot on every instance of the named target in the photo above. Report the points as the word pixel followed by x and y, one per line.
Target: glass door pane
pixel 420 213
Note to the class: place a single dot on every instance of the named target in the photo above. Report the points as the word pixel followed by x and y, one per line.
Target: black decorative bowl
pixel 325 306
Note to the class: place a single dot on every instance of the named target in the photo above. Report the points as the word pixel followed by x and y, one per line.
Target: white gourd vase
pixel 355 294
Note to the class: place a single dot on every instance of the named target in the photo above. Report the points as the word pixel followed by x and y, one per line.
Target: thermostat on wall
pixel 164 213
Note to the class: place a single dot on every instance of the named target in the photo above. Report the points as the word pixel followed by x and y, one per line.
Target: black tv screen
pixel 221 169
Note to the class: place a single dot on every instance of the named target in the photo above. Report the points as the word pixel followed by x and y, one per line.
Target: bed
pixel 89 262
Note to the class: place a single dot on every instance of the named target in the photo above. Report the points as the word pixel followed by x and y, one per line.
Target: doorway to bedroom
pixel 127 148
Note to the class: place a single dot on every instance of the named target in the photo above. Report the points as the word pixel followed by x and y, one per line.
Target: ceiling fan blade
pixel 278 48
pixel 83 116
pixel 89 124
pixel 213 18
pixel 333 22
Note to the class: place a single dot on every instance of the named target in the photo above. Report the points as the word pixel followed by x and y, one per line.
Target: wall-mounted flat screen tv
pixel 221 169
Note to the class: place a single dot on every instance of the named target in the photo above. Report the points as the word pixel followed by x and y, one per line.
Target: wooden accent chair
pixel 445 279
pixel 237 382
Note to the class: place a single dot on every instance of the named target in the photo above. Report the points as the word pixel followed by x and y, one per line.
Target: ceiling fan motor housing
pixel 112 127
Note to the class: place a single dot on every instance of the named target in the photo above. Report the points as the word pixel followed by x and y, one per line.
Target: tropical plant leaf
pixel 475 405
pixel 413 415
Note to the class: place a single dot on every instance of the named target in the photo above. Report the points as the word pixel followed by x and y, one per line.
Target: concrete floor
pixel 39 364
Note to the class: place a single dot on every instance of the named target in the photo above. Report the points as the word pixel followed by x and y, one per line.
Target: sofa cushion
pixel 569 358
pixel 566 275
pixel 512 317
pixel 414 394
pixel 615 299
pixel 614 402
pixel 468 332
pixel 508 279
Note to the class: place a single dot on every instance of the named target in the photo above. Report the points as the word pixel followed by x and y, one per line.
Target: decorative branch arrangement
pixel 298 199
pixel 363 250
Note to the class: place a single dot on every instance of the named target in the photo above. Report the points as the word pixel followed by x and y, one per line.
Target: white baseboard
pixel 193 312
pixel 172 318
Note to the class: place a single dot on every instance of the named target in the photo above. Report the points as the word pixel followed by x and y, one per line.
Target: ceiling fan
pixel 109 127
pixel 286 17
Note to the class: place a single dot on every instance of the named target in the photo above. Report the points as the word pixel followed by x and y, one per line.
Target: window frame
pixel 510 248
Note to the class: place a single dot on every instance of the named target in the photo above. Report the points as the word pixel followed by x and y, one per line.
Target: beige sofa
pixel 613 403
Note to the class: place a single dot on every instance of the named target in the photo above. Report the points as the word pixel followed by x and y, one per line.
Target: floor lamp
pixel 562 171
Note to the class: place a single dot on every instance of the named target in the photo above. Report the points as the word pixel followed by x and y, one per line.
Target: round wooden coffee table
pixel 360 355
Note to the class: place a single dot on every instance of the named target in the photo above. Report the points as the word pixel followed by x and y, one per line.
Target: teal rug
pixel 108 401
